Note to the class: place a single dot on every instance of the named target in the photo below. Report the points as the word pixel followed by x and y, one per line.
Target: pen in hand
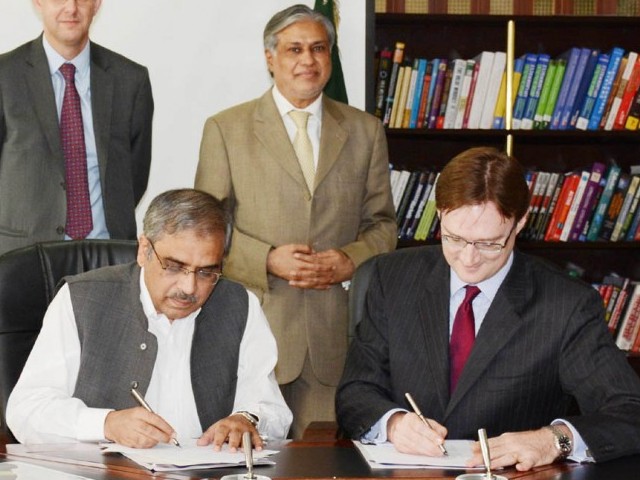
pixel 143 403
pixel 417 411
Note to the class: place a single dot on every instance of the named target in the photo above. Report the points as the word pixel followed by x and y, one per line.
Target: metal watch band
pixel 562 442
pixel 251 418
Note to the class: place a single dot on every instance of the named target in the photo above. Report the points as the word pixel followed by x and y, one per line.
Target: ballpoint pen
pixel 484 447
pixel 423 418
pixel 143 403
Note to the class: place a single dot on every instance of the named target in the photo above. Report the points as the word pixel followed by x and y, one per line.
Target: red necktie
pixel 462 336
pixel 79 221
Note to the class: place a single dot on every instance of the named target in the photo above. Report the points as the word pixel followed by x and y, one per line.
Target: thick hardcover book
pixel 576 81
pixel 485 59
pixel 493 87
pixel 592 93
pixel 417 95
pixel 583 87
pixel 615 205
pixel 437 93
pixel 628 97
pixel 572 56
pixel 528 71
pixel 398 56
pixel 457 76
pixel 535 92
pixel 603 203
pixel 382 85
pixel 465 91
pixel 553 94
pixel 616 101
pixel 562 207
pixel 623 221
pixel 588 201
pixel 615 57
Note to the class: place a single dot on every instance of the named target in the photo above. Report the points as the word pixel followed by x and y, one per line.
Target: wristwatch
pixel 563 443
pixel 250 417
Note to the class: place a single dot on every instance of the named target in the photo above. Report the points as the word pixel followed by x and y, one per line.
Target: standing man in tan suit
pixel 310 205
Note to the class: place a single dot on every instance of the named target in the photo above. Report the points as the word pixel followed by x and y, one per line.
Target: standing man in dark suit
pixel 302 221
pixel 538 339
pixel 116 111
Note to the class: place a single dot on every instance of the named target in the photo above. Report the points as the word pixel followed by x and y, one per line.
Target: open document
pixel 165 457
pixel 384 455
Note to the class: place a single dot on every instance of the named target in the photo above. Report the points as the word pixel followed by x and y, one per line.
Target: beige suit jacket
pixel 247 157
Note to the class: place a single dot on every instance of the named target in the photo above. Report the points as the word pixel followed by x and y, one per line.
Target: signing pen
pixel 143 403
pixel 423 418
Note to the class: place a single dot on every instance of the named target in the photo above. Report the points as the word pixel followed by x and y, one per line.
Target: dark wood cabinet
pixel 465 36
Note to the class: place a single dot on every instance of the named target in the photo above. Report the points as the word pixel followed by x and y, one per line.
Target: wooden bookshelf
pixel 465 36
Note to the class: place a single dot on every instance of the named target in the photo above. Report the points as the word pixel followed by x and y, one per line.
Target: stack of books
pixel 583 89
pixel 621 297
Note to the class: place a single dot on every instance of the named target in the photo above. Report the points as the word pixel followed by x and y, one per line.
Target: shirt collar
pixel 488 287
pixel 284 106
pixel 150 309
pixel 81 61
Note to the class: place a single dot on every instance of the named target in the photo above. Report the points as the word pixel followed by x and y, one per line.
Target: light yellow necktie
pixel 302 147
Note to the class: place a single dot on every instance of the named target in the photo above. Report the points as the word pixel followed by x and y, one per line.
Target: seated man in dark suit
pixel 198 347
pixel 484 336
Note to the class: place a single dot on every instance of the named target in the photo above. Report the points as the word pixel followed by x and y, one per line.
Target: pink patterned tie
pixel 79 221
pixel 462 336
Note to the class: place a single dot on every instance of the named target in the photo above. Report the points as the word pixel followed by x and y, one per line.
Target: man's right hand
pixel 137 428
pixel 409 434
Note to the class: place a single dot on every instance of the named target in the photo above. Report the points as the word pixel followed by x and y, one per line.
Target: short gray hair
pixel 291 15
pixel 175 211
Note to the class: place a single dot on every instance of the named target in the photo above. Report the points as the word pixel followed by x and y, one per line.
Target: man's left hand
pixel 326 268
pixel 525 450
pixel 230 430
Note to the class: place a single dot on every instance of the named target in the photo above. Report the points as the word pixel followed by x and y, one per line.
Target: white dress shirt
pixel 41 408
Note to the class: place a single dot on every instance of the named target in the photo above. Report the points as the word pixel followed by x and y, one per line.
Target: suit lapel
pixel 101 104
pixel 434 318
pixel 271 133
pixel 38 79
pixel 332 139
pixel 501 323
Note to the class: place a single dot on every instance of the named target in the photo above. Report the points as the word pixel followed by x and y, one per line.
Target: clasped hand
pixel 138 428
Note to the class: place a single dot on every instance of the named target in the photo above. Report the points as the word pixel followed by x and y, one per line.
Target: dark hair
pixel 185 209
pixel 480 175
pixel 291 15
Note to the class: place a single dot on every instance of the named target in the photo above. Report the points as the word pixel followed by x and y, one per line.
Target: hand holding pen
pixel 142 402
pixel 417 411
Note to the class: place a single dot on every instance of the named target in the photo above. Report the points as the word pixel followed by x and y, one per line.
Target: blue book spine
pixel 634 226
pixel 581 66
pixel 542 64
pixel 583 88
pixel 422 68
pixel 603 203
pixel 528 71
pixel 615 57
pixel 572 55
pixel 592 93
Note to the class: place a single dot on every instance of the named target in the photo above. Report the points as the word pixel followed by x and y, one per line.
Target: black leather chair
pixel 28 280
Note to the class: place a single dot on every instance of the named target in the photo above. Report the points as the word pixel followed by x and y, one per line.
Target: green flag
pixel 335 88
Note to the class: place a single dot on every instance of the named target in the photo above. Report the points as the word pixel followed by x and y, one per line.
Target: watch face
pixel 564 443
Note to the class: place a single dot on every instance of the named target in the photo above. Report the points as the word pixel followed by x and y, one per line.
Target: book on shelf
pixel 574 86
pixel 544 94
pixel 398 184
pixel 485 60
pixel 547 205
pixel 603 202
pixel 437 93
pixel 614 88
pixel 587 202
pixel 417 205
pixel 616 100
pixel 404 79
pixel 615 205
pixel 493 86
pixel 558 78
pixel 382 84
pixel 630 323
pixel 445 96
pixel 618 291
pixel 528 71
pixel 575 205
pixel 407 195
pixel 398 57
pixel 626 214
pixel 633 233
pixel 615 57
pixel 417 94
pixel 458 69
pixel 426 91
pixel 539 189
pixel 406 117
pixel 627 97
pixel 472 92
pixel 572 56
pixel 501 102
pixel 428 214
pixel 465 92
pixel 633 117
pixel 535 91
pixel 592 92
pixel 573 112
pixel 562 207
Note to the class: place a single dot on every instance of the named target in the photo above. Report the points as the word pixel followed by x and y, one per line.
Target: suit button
pixel 143 346
pixel 60 230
